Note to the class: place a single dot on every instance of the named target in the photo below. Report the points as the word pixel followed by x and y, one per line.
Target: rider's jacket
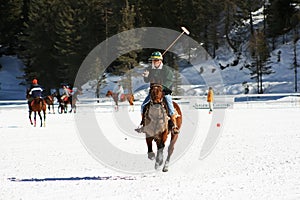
pixel 36 91
pixel 162 75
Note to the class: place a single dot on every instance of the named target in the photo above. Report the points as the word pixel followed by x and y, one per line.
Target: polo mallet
pixel 184 31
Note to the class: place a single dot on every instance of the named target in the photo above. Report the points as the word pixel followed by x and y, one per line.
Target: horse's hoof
pixel 158 164
pixel 165 169
pixel 151 155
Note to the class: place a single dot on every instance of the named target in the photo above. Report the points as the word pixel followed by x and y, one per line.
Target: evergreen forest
pixel 52 37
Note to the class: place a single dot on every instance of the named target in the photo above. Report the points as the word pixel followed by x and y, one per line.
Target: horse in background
pixel 50 101
pixel 74 100
pixel 38 105
pixel 157 126
pixel 123 97
pixel 63 102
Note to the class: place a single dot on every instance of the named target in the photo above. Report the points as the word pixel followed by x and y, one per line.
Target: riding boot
pixel 142 121
pixel 175 128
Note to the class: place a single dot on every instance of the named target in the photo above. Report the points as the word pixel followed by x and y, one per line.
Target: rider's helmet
pixel 34 81
pixel 156 56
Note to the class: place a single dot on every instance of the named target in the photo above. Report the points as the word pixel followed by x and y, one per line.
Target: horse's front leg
pixel 131 109
pixel 151 154
pixel 53 109
pixel 174 138
pixel 66 108
pixel 116 106
pixel 159 156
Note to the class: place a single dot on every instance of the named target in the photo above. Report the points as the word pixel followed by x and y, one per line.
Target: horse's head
pixel 79 92
pixel 54 94
pixel 109 93
pixel 156 93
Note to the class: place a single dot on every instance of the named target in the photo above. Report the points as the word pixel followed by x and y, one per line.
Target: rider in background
pixel 67 93
pixel 158 73
pixel 35 91
pixel 119 90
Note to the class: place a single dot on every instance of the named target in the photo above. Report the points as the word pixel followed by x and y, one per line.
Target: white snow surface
pixel 256 157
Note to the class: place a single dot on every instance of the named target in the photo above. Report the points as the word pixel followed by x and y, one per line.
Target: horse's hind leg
pixel 30 117
pixel 170 151
pixel 34 119
pixel 44 112
pixel 41 119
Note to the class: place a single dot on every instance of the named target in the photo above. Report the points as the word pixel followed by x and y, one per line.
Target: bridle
pixel 157 87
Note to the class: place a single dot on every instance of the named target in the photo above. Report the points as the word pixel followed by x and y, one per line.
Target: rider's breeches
pixel 169 102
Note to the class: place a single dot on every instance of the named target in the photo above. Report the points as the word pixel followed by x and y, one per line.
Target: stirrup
pixel 139 129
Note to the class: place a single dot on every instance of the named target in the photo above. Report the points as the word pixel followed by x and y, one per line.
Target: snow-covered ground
pixel 257 156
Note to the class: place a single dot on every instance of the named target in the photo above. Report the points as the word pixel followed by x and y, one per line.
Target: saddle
pixel 64 98
pixel 37 99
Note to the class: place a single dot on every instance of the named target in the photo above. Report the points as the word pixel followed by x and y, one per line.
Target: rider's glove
pixel 145 74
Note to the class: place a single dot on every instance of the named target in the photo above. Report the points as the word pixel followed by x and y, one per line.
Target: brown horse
pixel 124 97
pixel 50 101
pixel 157 126
pixel 37 105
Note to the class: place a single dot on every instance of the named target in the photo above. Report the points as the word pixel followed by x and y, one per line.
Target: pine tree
pixel 295 22
pixel 37 42
pixel 11 20
pixel 279 17
pixel 128 60
pixel 69 40
pixel 260 53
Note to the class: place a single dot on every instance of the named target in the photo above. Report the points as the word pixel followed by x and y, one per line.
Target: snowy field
pixel 257 156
